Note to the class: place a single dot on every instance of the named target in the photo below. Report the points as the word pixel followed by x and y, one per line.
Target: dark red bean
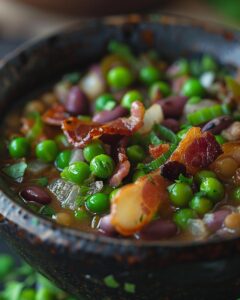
pixel 173 106
pixel 172 169
pixel 159 229
pixel 216 125
pixel 215 220
pixel 77 102
pixel 35 194
pixel 171 124
pixel 105 226
pixel 110 115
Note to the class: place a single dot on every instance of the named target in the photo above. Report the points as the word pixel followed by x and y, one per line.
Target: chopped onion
pixel 207 79
pixel 95 187
pixel 36 167
pixel 65 192
pixel 93 83
pixel 153 115
pixel 77 155
pixel 198 229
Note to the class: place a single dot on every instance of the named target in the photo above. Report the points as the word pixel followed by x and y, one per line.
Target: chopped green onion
pixel 154 139
pixel 155 164
pixel 208 113
pixel 37 128
pixel 42 181
pixel 166 133
pixel 47 211
pixel 111 282
pixel 129 287
pixel 15 171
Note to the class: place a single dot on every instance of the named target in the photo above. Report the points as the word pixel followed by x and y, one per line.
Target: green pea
pixel 159 88
pixel 149 75
pixel 201 205
pixel 194 100
pixel 236 194
pixel 212 188
pixel 182 217
pixel 136 153
pixel 63 159
pixel 102 166
pixel 193 87
pixel 28 294
pixel 202 175
pixel 130 97
pixel 81 214
pixel 220 139
pixel 45 293
pixel 47 150
pixel 180 194
pixel 77 172
pixel 119 77
pixel 98 203
pixel 113 193
pixel 19 147
pixel 105 102
pixel 209 64
pixel 138 174
pixel 6 265
pixel 93 149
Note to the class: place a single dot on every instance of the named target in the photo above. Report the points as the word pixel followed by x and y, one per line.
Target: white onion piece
pixel 65 192
pixel 95 187
pixel 36 167
pixel 207 79
pixel 198 229
pixel 153 115
pixel 190 108
pixel 93 84
pixel 61 90
pixel 77 155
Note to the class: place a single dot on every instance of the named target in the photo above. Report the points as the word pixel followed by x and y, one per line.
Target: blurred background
pixel 21 20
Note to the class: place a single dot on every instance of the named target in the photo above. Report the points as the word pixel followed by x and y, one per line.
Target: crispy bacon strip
pixel 197 150
pixel 80 133
pixel 122 169
pixel 55 115
pixel 156 151
pixel 135 204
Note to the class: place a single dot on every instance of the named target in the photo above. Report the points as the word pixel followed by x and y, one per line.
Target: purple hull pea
pixel 215 220
pixel 76 102
pixel 171 124
pixel 173 106
pixel 35 194
pixel 110 115
pixel 105 226
pixel 159 229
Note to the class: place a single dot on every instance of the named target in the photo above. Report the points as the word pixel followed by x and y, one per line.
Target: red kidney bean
pixel 215 220
pixel 76 102
pixel 173 106
pixel 159 229
pixel 216 125
pixel 110 115
pixel 105 226
pixel 172 169
pixel 35 194
pixel 171 124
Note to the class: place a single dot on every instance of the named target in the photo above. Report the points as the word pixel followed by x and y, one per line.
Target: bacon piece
pixel 135 204
pixel 80 133
pixel 123 166
pixel 156 151
pixel 197 150
pixel 55 115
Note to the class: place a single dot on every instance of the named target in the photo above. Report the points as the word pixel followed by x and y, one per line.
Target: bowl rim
pixel 68 233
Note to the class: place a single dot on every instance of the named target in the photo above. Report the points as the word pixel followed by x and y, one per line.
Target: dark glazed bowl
pixel 79 261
